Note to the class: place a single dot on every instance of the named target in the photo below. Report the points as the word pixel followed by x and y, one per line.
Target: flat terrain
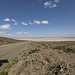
pixel 11 51
pixel 50 39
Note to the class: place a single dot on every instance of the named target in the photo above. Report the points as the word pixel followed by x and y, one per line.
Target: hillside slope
pixel 46 58
pixel 4 41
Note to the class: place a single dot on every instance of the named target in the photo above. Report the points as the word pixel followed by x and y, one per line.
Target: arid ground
pixel 50 39
pixel 42 56
pixel 46 58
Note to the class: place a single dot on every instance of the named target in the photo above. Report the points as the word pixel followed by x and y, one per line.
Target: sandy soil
pixel 49 39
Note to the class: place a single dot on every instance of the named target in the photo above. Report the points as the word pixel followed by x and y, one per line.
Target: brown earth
pixel 46 58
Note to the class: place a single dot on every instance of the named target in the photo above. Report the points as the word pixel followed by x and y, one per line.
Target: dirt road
pixel 12 50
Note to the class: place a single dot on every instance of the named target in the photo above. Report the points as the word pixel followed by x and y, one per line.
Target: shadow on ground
pixel 3 61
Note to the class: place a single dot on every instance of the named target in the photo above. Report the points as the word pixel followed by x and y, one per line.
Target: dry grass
pixel 4 41
pixel 66 46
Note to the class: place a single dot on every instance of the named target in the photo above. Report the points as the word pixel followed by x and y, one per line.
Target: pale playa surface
pixel 50 39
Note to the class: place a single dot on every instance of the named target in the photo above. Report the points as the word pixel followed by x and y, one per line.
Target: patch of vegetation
pixel 46 62
pixel 33 51
pixel 8 66
pixel 3 73
pixel 29 52
pixel 14 61
pixel 65 46
pixel 69 50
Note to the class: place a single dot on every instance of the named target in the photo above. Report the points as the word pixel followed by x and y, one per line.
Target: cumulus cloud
pixel 52 6
pixel 37 22
pixel 2 32
pixel 24 23
pixel 44 22
pixel 7 19
pixel 57 1
pixel 6 26
pixel 47 3
pixel 14 21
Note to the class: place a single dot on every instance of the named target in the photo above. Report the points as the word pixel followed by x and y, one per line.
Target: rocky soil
pixel 41 59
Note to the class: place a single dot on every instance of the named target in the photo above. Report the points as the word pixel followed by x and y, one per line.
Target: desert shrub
pixel 8 66
pixel 69 50
pixel 66 49
pixel 14 61
pixel 33 51
pixel 29 52
pixel 39 46
pixel 3 73
pixel 59 47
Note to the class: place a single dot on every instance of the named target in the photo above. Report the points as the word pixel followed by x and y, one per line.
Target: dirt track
pixel 12 50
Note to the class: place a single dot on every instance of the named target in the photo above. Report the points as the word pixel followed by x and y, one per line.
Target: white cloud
pixel 52 6
pixel 57 1
pixel 6 26
pixel 27 33
pixel 37 22
pixel 11 35
pixel 1 32
pixel 24 23
pixel 18 32
pixel 47 4
pixel 7 19
pixel 44 22
pixel 22 33
pixel 14 21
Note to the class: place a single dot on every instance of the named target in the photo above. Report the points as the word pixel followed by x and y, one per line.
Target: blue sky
pixel 37 18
